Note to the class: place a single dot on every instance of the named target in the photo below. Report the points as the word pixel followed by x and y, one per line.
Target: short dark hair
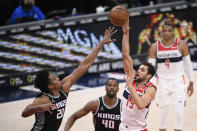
pixel 42 81
pixel 112 79
pixel 168 22
pixel 151 68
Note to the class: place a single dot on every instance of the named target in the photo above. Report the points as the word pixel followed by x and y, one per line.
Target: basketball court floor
pixel 13 101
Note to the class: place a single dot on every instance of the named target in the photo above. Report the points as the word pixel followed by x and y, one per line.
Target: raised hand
pixel 108 34
pixel 190 89
pixel 48 107
pixel 129 80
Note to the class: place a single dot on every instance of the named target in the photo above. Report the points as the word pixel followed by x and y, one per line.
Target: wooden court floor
pixel 11 119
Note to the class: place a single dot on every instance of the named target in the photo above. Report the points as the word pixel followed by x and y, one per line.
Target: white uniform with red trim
pixel 133 119
pixel 170 71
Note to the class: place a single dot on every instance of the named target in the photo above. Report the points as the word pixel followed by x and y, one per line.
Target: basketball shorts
pixel 170 91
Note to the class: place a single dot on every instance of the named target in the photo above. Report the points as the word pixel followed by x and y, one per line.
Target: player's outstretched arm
pixel 88 61
pixel 127 60
pixel 90 106
pixel 40 104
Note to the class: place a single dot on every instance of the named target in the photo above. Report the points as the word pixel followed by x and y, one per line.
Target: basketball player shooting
pixel 49 106
pixel 139 93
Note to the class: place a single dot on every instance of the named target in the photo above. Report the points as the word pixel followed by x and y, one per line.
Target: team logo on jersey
pixel 102 109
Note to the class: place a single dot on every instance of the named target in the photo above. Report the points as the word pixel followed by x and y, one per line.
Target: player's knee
pixel 162 129
pixel 179 113
pixel 163 115
pixel 178 123
pixel 163 112
pixel 177 130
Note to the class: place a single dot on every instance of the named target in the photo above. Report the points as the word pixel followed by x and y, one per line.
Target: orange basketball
pixel 118 15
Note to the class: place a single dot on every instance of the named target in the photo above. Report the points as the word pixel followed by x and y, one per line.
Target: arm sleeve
pixel 188 67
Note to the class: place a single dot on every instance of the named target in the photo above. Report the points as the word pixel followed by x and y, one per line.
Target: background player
pixel 49 106
pixel 171 56
pixel 139 92
pixel 105 109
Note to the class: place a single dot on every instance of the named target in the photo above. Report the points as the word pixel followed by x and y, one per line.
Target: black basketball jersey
pixel 107 118
pixel 44 121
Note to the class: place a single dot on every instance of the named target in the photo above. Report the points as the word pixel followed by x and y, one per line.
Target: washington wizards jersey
pixel 132 116
pixel 169 60
pixel 107 118
pixel 51 122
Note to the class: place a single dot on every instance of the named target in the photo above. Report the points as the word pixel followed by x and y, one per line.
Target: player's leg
pixel 178 113
pixel 177 130
pixel 163 100
pixel 163 115
pixel 179 103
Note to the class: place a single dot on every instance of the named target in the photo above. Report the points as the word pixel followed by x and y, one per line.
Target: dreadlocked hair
pixel 42 81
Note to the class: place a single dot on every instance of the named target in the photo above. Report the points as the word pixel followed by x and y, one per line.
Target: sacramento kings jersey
pixel 51 122
pixel 107 118
pixel 169 60
pixel 132 116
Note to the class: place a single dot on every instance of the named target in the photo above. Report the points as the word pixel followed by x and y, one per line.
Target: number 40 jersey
pixel 107 118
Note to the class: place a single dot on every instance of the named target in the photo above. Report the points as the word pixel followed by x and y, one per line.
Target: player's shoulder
pixel 152 86
pixel 153 46
pixel 42 98
pixel 119 99
pixel 93 103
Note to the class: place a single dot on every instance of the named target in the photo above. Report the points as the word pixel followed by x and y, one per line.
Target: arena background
pixel 29 47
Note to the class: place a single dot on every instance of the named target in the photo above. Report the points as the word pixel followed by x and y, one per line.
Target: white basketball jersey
pixel 133 117
pixel 169 60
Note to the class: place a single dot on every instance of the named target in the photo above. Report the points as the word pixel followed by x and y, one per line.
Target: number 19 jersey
pixel 133 117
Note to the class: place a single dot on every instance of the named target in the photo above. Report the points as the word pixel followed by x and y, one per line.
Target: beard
pixel 111 95
pixel 139 79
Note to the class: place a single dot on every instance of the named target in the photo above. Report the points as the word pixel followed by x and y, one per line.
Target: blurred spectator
pixel 26 11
